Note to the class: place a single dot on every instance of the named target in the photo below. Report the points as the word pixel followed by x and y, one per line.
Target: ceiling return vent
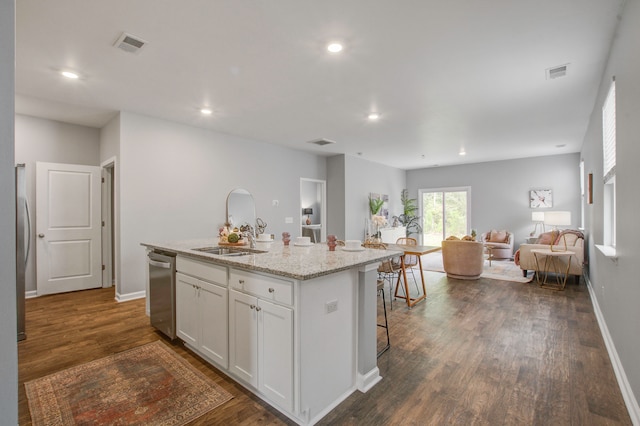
pixel 129 43
pixel 557 72
pixel 321 142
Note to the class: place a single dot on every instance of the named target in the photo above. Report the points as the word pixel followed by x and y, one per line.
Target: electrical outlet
pixel 288 220
pixel 331 306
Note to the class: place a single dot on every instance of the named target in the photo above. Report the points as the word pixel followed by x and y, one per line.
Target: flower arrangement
pixel 379 220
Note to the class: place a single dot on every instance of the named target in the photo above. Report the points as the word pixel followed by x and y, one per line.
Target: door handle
pixel 40 235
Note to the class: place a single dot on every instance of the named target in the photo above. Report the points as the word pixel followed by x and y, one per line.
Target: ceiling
pixel 445 76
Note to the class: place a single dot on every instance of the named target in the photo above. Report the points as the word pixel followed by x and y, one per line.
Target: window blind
pixel 609 134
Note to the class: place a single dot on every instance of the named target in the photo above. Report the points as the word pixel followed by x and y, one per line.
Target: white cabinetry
pixel 261 334
pixel 202 309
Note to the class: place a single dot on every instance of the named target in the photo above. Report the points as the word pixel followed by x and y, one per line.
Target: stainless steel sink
pixel 228 251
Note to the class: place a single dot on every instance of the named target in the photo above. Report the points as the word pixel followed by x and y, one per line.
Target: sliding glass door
pixel 445 212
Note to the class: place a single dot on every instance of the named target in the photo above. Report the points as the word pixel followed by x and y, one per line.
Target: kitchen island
pixel 296 325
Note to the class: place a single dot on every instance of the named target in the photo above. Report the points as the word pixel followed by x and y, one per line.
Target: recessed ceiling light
pixel 562 145
pixel 70 75
pixel 334 47
pixel 462 152
pixel 373 116
pixel 206 111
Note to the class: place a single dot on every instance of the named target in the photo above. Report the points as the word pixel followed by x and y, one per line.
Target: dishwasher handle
pixel 164 265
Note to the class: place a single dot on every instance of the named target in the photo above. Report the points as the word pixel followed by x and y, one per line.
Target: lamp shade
pixel 537 216
pixel 307 211
pixel 557 218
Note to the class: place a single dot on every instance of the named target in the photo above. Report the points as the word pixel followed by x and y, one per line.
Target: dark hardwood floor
pixel 475 352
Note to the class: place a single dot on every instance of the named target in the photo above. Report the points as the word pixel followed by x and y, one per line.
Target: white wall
pixel 362 177
pixel 500 189
pixel 8 335
pixel 39 139
pixel 336 195
pixel 350 182
pixel 615 285
pixel 174 180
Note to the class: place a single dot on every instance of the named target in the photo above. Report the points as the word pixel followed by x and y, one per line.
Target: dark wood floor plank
pixel 475 352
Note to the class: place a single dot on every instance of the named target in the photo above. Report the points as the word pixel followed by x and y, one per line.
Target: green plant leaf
pixel 375 204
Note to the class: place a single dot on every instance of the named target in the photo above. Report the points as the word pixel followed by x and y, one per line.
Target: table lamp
pixel 308 211
pixel 556 219
pixel 538 219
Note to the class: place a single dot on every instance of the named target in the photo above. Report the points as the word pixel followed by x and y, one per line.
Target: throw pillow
pixel 498 236
pixel 547 237
pixel 452 237
pixel 468 238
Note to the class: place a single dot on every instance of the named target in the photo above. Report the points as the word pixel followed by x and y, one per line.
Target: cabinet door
pixel 243 337
pixel 275 353
pixel 186 309
pixel 213 342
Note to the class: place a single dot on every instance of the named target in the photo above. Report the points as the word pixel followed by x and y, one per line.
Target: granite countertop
pixel 297 262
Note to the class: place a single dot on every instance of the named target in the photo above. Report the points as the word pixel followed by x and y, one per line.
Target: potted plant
pixel 409 219
pixel 375 204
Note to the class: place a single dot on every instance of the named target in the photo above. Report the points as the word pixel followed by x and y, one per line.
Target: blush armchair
pixel 462 259
pixel 501 242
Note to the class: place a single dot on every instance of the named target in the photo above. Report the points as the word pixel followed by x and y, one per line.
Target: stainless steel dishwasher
pixel 162 292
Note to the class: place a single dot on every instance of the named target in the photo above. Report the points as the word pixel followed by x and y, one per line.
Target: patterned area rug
pixel 150 384
pixel 505 270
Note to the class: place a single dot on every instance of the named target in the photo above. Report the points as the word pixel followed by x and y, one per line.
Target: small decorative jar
pixel 286 237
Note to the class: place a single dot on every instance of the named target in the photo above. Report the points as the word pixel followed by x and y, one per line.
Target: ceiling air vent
pixel 129 43
pixel 557 72
pixel 321 142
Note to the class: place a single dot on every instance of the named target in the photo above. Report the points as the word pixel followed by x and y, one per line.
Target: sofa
pixel 462 259
pixel 501 242
pixel 574 241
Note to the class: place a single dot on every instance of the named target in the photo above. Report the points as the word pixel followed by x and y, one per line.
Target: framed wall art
pixel 540 198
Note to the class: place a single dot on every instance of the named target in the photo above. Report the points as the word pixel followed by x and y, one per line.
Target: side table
pixel 489 248
pixel 552 264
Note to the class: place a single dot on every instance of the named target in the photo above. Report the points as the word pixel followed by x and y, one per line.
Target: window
pixel 609 166
pixel 444 211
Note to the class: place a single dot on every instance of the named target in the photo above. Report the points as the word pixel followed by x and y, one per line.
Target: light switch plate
pixel 288 220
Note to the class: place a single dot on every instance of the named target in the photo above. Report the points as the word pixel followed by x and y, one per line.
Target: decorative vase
pixel 331 242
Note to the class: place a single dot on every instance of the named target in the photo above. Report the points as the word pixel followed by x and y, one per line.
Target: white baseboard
pixel 30 294
pixel 130 296
pixel 627 393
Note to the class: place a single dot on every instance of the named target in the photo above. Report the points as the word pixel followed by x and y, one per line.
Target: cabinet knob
pixel 252 306
pixel 40 235
pixel 241 281
pixel 258 308
pixel 271 290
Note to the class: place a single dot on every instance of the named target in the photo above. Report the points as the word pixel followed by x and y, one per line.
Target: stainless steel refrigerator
pixel 23 238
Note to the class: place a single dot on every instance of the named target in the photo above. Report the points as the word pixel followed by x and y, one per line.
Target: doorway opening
pixel 313 212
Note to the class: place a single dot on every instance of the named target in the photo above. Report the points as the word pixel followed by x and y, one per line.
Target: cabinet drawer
pixel 267 288
pixel 203 270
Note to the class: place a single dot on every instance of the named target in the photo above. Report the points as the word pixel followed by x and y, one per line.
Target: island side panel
pixel 328 341
pixel 368 373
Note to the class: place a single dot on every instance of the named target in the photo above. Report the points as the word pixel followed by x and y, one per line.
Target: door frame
pixel 323 205
pixel 466 189
pixel 109 219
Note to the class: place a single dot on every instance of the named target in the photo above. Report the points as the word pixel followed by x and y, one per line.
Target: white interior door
pixel 68 247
